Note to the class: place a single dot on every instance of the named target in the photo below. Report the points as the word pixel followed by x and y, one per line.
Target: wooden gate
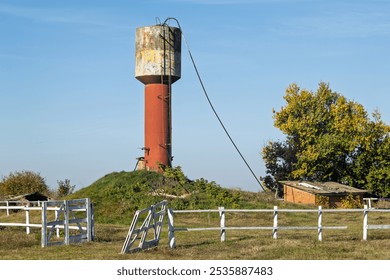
pixel 74 217
pixel 153 220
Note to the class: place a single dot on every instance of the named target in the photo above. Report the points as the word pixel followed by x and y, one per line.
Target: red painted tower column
pixel 157 126
pixel 158 66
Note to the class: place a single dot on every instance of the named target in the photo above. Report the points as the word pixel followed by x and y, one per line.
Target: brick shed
pixel 319 193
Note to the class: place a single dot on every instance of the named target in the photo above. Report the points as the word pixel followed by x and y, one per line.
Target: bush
pixel 64 188
pixel 23 182
pixel 322 201
pixel 351 201
pixel 382 204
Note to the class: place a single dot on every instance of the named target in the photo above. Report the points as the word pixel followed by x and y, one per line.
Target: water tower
pixel 157 66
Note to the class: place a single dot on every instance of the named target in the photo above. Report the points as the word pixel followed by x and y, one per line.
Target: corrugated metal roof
pixel 324 188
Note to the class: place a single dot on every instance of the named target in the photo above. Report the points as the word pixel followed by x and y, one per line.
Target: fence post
pixel 222 223
pixel 365 222
pixel 92 222
pixel 275 229
pixel 171 229
pixel 319 223
pixel 89 219
pixel 44 225
pixel 56 218
pixel 7 203
pixel 66 222
pixel 27 221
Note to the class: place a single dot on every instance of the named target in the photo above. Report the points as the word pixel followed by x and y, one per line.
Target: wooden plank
pixel 20 225
pixel 198 211
pixel 80 208
pixel 79 200
pixel 334 227
pixel 378 227
pixel 77 238
pixel 27 221
pixel 77 221
pixel 66 223
pixel 197 229
pixel 249 210
pixel 260 228
pixel 296 228
pixel 44 225
pixel 171 229
pixel 55 223
pixel 55 243
pixel 379 210
pixel 249 228
pixel 275 227
pixel 88 206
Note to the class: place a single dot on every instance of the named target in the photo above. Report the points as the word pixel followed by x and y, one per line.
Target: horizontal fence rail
pixel 27 224
pixel 275 227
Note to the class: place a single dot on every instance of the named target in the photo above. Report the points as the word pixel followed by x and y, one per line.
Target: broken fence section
pixel 145 229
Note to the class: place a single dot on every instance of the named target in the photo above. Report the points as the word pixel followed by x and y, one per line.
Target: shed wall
pixel 298 196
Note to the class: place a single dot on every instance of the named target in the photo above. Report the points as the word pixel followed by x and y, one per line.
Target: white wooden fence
pixel 65 219
pixel 275 227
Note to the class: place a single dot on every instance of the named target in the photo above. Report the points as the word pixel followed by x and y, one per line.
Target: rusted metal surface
pixel 157 126
pixel 158 54
pixel 158 65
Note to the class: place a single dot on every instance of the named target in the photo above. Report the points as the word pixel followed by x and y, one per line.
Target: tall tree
pixel 328 137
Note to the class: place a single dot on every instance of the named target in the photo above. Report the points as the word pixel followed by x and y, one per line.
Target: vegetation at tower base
pixel 328 138
pixel 117 195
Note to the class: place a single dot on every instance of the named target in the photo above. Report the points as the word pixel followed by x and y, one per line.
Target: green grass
pixel 290 245
pixel 116 196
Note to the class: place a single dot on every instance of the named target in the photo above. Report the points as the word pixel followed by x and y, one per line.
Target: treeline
pixel 25 182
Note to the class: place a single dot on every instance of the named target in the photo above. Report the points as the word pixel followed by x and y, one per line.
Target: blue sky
pixel 71 107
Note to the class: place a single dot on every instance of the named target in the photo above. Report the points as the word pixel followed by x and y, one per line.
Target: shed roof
pixel 324 188
pixel 29 196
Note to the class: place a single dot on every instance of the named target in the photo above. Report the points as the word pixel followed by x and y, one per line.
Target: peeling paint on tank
pixel 155 58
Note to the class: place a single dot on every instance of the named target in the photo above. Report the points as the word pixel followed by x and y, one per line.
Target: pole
pixel 365 223
pixel 222 223
pixel 66 222
pixel 275 229
pixel 27 221
pixel 7 203
pixel 319 223
pixel 171 229
pixel 44 225
pixel 56 213
pixel 89 219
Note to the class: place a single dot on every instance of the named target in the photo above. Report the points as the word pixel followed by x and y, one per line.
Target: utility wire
pixel 211 104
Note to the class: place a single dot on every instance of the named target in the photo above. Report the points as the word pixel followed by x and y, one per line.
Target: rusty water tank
pixel 158 54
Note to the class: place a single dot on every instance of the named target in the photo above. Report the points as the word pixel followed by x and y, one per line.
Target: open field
pixel 118 195
pixel 255 244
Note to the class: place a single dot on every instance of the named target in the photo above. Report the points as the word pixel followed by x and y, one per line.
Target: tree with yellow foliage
pixel 328 138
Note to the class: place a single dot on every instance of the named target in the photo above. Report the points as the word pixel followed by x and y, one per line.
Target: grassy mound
pixel 118 195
